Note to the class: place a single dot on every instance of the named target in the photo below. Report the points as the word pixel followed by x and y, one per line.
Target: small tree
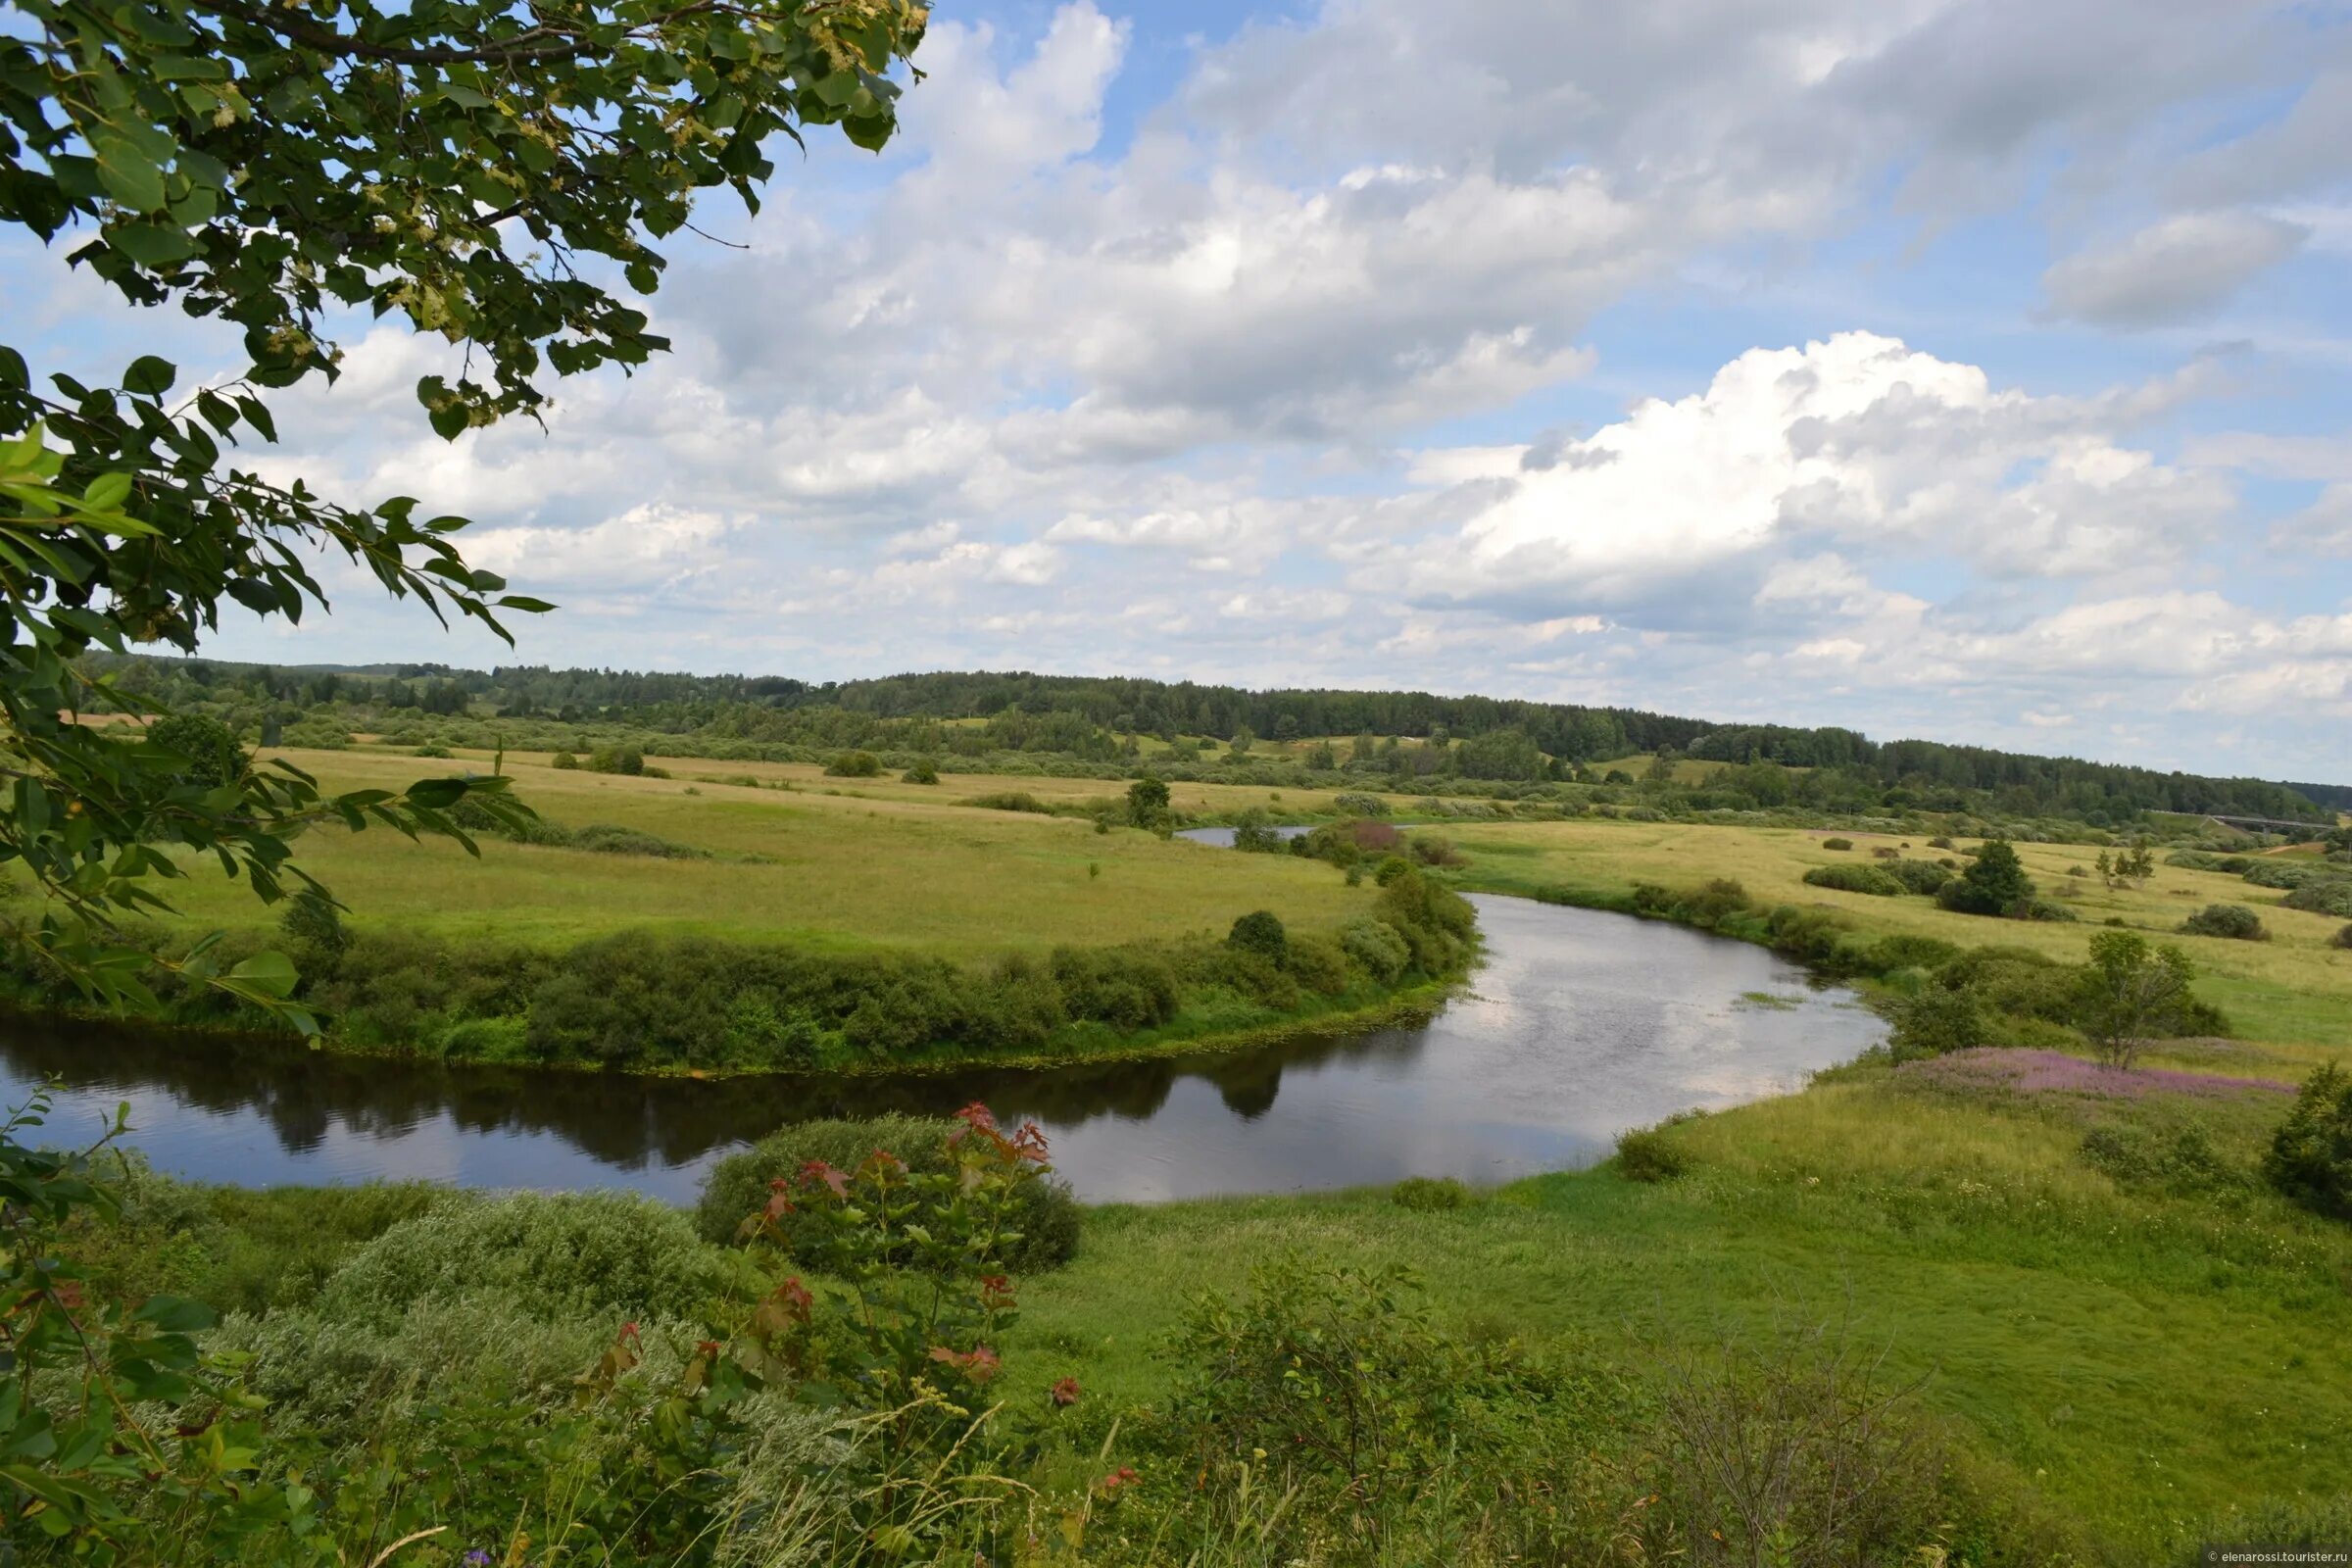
pixel 1259 931
pixel 1995 883
pixel 2130 993
pixel 1147 801
pixel 2310 1158
pixel 1254 835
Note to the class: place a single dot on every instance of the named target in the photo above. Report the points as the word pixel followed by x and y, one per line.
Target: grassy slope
pixel 2145 1362
pixel 889 864
pixel 2293 988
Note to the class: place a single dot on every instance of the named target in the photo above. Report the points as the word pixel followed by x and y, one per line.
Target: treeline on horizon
pixel 1095 721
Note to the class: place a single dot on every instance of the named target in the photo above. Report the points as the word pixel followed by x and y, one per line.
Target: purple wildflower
pixel 2032 1072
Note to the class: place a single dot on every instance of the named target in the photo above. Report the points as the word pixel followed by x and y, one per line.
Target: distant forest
pixel 1097 721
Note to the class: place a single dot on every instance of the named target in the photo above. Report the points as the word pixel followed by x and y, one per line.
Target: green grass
pixel 890 865
pixel 2293 988
pixel 2141 1361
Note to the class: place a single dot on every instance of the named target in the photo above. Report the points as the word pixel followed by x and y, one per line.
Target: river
pixel 1579 1024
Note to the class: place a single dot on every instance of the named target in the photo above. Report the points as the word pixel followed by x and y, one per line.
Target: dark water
pixel 1579 1025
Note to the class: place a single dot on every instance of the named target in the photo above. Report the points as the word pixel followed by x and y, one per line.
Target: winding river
pixel 1579 1025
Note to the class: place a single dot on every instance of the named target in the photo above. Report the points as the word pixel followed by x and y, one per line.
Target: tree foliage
pixel 2132 993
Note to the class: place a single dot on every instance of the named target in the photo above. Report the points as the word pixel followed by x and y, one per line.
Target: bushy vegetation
pixel 1044 1221
pixel 1857 878
pixel 2310 1158
pixel 2232 921
pixel 640 1000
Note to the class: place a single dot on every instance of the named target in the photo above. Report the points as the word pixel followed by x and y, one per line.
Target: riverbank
pixel 2116 1351
pixel 2293 990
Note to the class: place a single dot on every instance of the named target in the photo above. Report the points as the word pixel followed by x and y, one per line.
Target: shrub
pixel 1146 801
pixel 313 925
pixel 2344 938
pixel 2233 920
pixel 1935 1021
pixel 1361 804
pixel 924 771
pixel 1887 852
pixel 1651 1155
pixel 1254 835
pixel 2331 897
pixel 1011 801
pixel 1939 841
pixel 1836 844
pixel 1430 849
pixel 2310 1157
pixel 1046 1215
pixel 549 1254
pixel 1375 948
pixel 1904 952
pixel 1429 1193
pixel 1855 879
pixel 854 765
pixel 1917 877
pixel 2184 1165
pixel 214 757
pixel 565 762
pixel 625 760
pixel 604 838
pixel 432 751
pixel 1260 932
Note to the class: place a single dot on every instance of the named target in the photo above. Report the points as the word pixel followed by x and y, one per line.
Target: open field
pixel 2293 988
pixel 2141 1360
pixel 893 864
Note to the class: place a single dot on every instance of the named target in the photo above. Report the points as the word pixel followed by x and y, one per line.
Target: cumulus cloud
pixel 1273 359
pixel 1858 439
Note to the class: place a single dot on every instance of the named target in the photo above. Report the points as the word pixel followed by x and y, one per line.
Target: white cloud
pixel 2175 268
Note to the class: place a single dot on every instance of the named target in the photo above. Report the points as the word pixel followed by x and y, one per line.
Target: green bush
pixel 2310 1157
pixel 565 762
pixel 2233 920
pixel 606 839
pixel 1011 801
pixel 924 771
pixel 1855 879
pixel 2342 939
pixel 2332 896
pixel 1905 952
pixel 1429 1193
pixel 605 1254
pixel 1259 931
pixel 623 759
pixel 1935 1021
pixel 2185 1164
pixel 1375 948
pixel 213 755
pixel 854 765
pixel 1994 884
pixel 738 1187
pixel 1836 844
pixel 1650 1153
pixel 1917 877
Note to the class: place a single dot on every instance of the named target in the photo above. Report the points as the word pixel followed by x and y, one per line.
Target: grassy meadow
pixel 2141 1361
pixel 799 859
pixel 2292 990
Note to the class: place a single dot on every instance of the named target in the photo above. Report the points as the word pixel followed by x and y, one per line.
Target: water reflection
pixel 1581 1024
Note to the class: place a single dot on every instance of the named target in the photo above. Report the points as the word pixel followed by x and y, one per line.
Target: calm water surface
pixel 1581 1024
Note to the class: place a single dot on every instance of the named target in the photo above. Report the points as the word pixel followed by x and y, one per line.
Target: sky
pixel 1974 369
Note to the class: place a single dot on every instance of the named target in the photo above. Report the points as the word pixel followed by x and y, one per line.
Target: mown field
pixel 830 863
pixel 2293 988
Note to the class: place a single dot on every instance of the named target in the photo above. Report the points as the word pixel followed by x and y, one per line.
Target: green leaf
pixel 155 245
pixel 527 605
pixel 437 793
pixel 272 972
pixel 129 176
pixel 150 375
pixel 108 491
